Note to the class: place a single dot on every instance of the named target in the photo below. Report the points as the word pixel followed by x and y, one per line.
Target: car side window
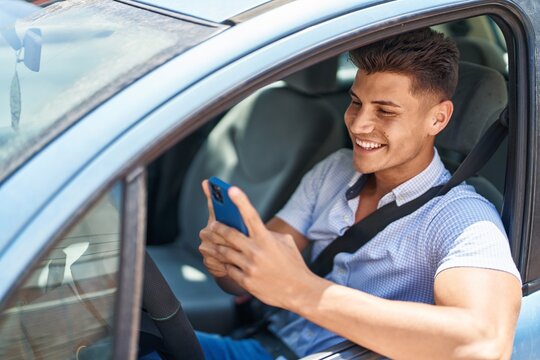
pixel 66 305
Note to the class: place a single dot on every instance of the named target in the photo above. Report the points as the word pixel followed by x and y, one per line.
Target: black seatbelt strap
pixel 363 231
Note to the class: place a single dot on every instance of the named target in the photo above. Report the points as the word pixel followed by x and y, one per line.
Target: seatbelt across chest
pixel 363 231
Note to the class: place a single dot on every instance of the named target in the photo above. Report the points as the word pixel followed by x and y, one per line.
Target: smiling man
pixel 439 283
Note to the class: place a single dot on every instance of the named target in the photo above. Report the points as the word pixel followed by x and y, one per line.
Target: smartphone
pixel 225 210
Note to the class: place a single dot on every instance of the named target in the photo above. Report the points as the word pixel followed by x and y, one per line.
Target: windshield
pixel 59 62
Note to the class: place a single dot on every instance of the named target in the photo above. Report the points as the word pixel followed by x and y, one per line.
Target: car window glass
pixel 65 307
pixel 59 62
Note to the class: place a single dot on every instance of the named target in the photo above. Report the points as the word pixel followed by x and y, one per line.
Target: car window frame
pixel 519 199
pixel 518 32
pixel 518 203
pixel 130 279
pixel 518 210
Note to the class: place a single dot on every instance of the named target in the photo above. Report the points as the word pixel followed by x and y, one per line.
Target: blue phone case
pixel 224 209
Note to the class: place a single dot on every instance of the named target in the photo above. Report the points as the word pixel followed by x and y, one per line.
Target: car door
pixel 259 50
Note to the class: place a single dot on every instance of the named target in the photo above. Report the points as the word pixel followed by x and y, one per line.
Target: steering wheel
pixel 178 340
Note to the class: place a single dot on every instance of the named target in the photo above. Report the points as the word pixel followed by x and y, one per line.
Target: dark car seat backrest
pixel 482 52
pixel 480 96
pixel 319 79
pixel 264 144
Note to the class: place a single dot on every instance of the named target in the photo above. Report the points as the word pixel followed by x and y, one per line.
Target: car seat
pixel 264 145
pixel 482 52
pixel 480 96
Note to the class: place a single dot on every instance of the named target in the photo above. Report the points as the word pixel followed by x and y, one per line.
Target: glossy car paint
pixel 211 10
pixel 528 329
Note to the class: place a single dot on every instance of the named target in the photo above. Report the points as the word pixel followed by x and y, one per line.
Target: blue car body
pixel 232 50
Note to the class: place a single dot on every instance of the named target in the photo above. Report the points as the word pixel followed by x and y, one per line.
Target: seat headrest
pixel 480 96
pixel 320 78
pixel 482 52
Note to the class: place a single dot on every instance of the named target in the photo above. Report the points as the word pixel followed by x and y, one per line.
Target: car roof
pixel 211 10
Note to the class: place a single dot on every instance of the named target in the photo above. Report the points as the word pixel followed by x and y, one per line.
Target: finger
pixel 215 267
pixel 227 236
pixel 210 237
pixel 233 257
pixel 212 262
pixel 206 189
pixel 210 251
pixel 236 275
pixel 249 214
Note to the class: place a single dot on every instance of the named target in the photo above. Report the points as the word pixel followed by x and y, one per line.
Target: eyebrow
pixel 379 102
pixel 385 102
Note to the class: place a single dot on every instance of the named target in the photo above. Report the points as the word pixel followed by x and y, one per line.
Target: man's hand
pixel 267 264
pixel 218 250
pixel 213 261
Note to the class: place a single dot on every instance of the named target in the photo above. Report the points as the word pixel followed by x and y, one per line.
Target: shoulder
pixel 463 212
pixel 463 202
pixel 466 231
pixel 339 162
pixel 340 158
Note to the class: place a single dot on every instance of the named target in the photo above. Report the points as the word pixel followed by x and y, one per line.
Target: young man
pixel 439 283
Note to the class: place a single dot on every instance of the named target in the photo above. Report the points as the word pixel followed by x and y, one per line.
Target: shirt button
pixel 309 333
pixel 342 271
pixel 346 217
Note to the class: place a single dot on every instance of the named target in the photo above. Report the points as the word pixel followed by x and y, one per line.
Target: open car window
pixel 263 145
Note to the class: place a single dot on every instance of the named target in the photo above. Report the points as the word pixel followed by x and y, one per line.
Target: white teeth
pixel 368 144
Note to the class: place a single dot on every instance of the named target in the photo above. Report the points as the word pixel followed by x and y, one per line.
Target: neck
pixel 383 182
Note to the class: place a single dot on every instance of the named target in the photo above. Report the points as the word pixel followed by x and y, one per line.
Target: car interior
pixel 263 144
pixel 267 141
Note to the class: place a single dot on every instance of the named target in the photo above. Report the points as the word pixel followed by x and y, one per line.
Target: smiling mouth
pixel 368 145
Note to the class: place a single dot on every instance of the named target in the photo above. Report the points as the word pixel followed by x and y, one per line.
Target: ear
pixel 440 116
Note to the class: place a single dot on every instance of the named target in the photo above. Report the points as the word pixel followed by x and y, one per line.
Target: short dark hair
pixel 429 58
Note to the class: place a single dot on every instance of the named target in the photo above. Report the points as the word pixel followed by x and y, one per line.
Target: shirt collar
pixel 431 176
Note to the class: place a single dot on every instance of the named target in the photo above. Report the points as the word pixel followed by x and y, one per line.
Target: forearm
pixel 399 330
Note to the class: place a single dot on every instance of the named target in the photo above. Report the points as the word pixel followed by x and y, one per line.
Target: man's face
pixel 389 126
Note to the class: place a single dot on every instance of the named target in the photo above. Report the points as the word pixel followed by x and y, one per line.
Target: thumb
pixel 249 214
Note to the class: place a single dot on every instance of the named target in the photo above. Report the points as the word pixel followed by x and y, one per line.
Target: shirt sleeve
pixel 468 232
pixel 298 211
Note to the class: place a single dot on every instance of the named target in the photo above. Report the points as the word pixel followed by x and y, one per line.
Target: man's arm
pixel 474 317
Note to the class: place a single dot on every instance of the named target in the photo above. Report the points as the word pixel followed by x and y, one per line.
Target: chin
pixel 364 168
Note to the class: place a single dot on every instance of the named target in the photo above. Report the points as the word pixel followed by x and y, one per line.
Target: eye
pixel 384 112
pixel 355 102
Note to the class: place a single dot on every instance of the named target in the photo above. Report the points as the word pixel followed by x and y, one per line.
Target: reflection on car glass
pixel 60 61
pixel 65 309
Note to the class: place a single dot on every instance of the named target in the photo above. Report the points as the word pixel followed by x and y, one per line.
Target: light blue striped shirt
pixel 458 229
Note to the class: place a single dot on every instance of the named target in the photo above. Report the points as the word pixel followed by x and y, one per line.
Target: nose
pixel 360 122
